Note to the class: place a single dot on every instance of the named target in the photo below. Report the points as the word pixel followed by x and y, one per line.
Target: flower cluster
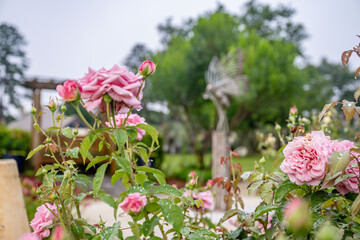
pixel 306 159
pixel 131 120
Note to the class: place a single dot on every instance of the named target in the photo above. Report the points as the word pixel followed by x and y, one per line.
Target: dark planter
pixel 20 161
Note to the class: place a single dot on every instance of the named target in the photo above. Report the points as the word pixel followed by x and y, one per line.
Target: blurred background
pixel 291 53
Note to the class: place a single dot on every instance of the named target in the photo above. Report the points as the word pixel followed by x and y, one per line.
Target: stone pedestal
pixel 13 217
pixel 219 144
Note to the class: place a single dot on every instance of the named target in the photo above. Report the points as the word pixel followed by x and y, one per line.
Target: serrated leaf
pixel 318 198
pixel 152 207
pixel 150 130
pixel 254 186
pixel 140 178
pixel 132 133
pixel 138 189
pixel 230 214
pixel 96 160
pixel 85 145
pixel 35 150
pixel 67 132
pixel 120 137
pixel 73 153
pixel 172 213
pixel 149 225
pixel 117 175
pixel 325 109
pixel 262 210
pixel 266 192
pixel 123 163
pixel 255 176
pixel 99 177
pixel 159 175
pixel 284 189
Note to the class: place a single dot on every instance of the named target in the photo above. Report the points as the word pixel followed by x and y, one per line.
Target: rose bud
pixel 297 216
pixel 52 105
pixel 147 68
pixel 70 91
pixel 293 110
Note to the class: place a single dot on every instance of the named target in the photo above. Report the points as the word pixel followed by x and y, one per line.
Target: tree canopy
pixel 13 63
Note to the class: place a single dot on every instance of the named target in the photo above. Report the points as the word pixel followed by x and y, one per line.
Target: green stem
pixel 113 114
pixel 76 105
pixel 136 229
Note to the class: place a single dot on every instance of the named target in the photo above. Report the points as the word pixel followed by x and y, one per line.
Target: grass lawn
pixel 180 165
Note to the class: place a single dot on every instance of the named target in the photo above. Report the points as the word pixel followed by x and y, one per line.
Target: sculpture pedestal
pixel 13 218
pixel 219 144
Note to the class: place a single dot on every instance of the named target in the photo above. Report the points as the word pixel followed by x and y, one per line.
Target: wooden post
pixel 35 135
pixel 13 218
pixel 219 144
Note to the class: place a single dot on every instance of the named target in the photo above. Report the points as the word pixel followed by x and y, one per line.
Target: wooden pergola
pixel 36 85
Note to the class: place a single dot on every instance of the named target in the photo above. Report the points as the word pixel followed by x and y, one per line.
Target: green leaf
pixel 120 137
pixel 254 186
pixel 337 163
pixel 110 232
pixel 230 214
pixel 37 127
pixel 138 189
pixel 67 132
pixel 325 109
pixel 148 226
pixel 150 130
pixel 159 175
pixel 73 153
pixel 284 189
pixel 344 177
pixel 99 177
pixel 152 207
pixel 85 146
pixel 132 132
pixel 142 153
pixel 77 230
pixel 35 150
pixel 355 207
pixel 96 160
pixel 318 198
pixel 262 210
pixel 140 178
pixel 117 175
pixel 123 163
pixel 169 190
pixel 108 199
pixel 266 192
pixel 155 238
pixel 172 213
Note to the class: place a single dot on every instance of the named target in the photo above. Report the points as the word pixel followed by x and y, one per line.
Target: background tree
pixel 13 63
pixel 181 81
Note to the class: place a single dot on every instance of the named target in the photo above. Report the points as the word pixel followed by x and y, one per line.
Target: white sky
pixel 66 37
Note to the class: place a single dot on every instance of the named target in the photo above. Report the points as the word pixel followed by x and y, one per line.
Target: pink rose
pixel 351 184
pixel 207 198
pixel 306 158
pixel 147 68
pixel 30 236
pixel 69 91
pixel 133 120
pixel 120 84
pixel 209 183
pixel 43 217
pixel 134 203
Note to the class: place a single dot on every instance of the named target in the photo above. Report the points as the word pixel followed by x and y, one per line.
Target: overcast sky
pixel 66 37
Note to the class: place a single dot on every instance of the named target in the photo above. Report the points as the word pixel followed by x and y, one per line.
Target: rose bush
pixel 315 193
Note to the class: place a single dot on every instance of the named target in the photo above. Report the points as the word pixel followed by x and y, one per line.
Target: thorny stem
pixel 136 229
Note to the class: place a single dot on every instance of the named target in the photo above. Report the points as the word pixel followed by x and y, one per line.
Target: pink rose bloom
pixel 120 84
pixel 207 198
pixel 134 202
pixel 69 91
pixel 132 121
pixel 351 184
pixel 306 158
pixel 147 68
pixel 30 236
pixel 43 217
